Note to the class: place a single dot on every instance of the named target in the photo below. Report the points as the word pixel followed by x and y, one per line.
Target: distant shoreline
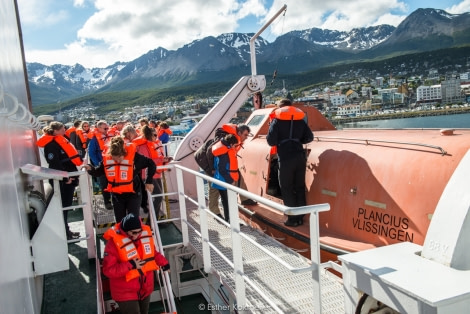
pixel 401 115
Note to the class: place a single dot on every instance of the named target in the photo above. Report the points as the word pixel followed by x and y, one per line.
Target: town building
pixel 428 94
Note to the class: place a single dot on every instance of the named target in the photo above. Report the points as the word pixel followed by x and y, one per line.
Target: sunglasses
pixel 154 135
pixel 135 232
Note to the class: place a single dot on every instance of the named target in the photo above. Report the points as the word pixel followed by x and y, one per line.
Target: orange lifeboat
pixel 382 185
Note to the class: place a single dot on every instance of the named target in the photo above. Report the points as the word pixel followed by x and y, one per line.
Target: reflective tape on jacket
pixel 120 175
pixel 128 251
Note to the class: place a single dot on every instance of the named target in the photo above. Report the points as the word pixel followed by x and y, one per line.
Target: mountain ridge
pixel 227 56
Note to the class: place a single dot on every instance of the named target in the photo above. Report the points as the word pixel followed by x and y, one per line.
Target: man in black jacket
pixel 288 132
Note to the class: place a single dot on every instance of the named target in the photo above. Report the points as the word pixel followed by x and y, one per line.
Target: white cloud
pixel 336 14
pixel 122 30
pixel 36 13
pixel 462 7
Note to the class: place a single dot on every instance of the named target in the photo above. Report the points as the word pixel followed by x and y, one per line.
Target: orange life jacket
pixel 102 140
pixel 219 149
pixel 231 129
pixel 83 136
pixel 128 251
pixel 113 131
pixel 64 143
pixel 156 151
pixel 289 113
pixel 69 131
pixel 168 131
pixel 120 176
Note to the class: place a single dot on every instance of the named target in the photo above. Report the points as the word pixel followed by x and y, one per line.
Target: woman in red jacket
pixel 129 262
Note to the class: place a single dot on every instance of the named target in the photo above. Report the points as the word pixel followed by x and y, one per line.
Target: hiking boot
pixel 72 235
pixel 292 223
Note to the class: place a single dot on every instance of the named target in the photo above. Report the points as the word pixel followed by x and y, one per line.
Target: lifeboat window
pixel 256 120
pixel 273 184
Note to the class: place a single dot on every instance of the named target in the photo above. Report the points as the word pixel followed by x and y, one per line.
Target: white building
pixel 337 100
pixel 348 110
pixel 428 93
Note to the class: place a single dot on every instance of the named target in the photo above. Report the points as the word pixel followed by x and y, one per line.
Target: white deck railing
pixel 236 235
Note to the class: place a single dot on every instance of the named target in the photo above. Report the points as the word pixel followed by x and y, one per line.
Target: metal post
pixel 85 194
pixel 201 199
pixel 315 258
pixel 252 40
pixel 236 249
pixel 182 203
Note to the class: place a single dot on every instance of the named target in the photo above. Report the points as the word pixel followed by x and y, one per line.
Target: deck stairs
pixel 271 287
pixel 243 269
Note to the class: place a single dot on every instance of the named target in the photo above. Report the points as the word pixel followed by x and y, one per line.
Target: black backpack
pixel 203 155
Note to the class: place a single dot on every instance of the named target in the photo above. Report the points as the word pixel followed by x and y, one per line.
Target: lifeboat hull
pixel 382 185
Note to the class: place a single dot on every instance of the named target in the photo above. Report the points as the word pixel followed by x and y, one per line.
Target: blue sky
pixel 97 33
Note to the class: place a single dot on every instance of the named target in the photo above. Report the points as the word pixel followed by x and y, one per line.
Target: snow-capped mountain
pixel 356 40
pixel 227 56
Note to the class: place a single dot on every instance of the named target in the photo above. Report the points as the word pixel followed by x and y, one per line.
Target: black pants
pixel 134 307
pixel 126 203
pixel 157 201
pixel 103 182
pixel 66 193
pixel 292 181
pixel 224 199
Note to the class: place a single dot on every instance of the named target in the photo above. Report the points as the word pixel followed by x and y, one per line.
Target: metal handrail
pixel 369 141
pixel 158 241
pixel 237 264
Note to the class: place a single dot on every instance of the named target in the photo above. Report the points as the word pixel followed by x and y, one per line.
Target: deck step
pixel 292 293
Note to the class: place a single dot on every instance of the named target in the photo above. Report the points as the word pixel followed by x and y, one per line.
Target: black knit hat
pixel 130 222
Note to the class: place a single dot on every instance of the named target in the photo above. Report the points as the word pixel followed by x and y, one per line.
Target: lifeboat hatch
pixel 274 189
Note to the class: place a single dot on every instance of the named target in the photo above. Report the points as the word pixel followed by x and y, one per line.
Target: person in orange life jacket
pixel 243 131
pixel 61 155
pixel 288 132
pixel 149 146
pixel 130 260
pixel 164 134
pixel 122 165
pixel 80 141
pixel 129 133
pixel 116 129
pixel 226 167
pixel 70 132
pixel 142 122
pixel 96 149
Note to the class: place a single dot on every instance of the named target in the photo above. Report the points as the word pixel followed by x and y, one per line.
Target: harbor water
pixel 444 121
